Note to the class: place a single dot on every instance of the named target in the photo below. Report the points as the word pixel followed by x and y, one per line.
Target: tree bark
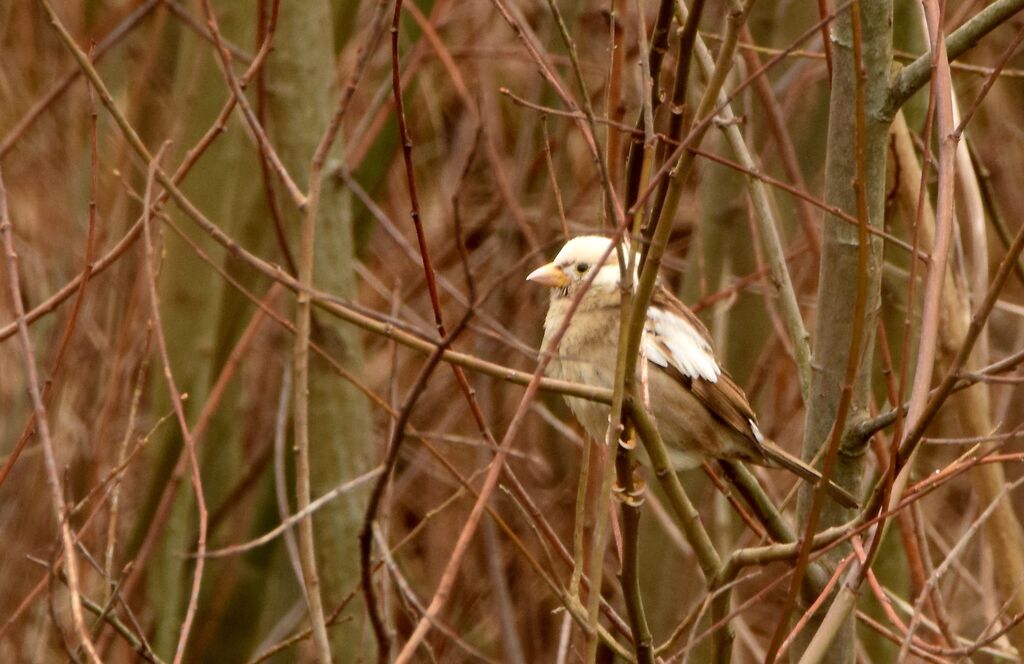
pixel 193 309
pixel 300 98
pixel 838 273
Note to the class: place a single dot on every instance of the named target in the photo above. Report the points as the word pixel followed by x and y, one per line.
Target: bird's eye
pixel 582 267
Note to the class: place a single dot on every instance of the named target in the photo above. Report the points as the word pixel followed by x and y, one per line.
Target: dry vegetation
pixel 166 397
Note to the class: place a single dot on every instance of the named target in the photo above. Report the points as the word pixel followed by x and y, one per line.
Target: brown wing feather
pixel 723 398
pixel 727 402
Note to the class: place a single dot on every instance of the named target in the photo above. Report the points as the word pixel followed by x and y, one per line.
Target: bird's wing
pixel 726 401
pixel 664 299
pixel 675 339
pixel 678 342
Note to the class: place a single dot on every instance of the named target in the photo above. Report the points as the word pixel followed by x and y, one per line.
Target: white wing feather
pixel 672 341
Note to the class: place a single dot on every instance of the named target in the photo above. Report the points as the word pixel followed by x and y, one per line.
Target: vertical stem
pixel 300 361
pixel 616 108
pixel 929 334
pixel 769 231
pixel 637 146
pixel 52 476
pixel 972 405
pixel 304 111
pixel 836 312
pixel 631 497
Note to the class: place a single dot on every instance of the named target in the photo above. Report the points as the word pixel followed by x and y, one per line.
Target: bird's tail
pixel 786 460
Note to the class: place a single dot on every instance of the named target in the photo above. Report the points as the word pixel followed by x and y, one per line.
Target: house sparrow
pixel 700 411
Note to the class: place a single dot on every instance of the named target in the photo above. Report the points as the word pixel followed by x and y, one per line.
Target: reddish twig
pixel 501 176
pixel 777 125
pixel 52 475
pixel 112 38
pixel 989 82
pixel 133 233
pixel 69 327
pixel 813 608
pixel 179 411
pixel 390 460
pixel 856 337
pixel 262 140
pixel 826 37
pixel 698 128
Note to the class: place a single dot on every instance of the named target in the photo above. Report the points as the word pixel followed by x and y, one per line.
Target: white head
pixel 574 263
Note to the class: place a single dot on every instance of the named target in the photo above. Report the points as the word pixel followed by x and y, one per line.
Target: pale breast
pixel 585 355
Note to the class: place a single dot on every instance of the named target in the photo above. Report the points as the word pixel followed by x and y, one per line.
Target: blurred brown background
pixel 507 179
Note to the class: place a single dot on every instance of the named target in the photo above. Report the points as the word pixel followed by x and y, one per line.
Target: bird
pixel 699 409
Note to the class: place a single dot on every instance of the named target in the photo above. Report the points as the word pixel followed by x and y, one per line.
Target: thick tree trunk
pixel 301 94
pixel 838 274
pixel 193 310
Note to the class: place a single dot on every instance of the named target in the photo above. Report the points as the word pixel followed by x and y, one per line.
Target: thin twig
pixel 990 81
pixel 43 428
pixel 179 411
pixel 857 334
pixel 292 519
pixel 912 77
pixel 262 140
pixel 112 38
pixel 376 495
pixel 69 327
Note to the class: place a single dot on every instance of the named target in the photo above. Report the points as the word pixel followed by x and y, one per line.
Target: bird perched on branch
pixel 700 411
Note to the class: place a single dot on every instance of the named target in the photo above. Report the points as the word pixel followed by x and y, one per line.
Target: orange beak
pixel 549 275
